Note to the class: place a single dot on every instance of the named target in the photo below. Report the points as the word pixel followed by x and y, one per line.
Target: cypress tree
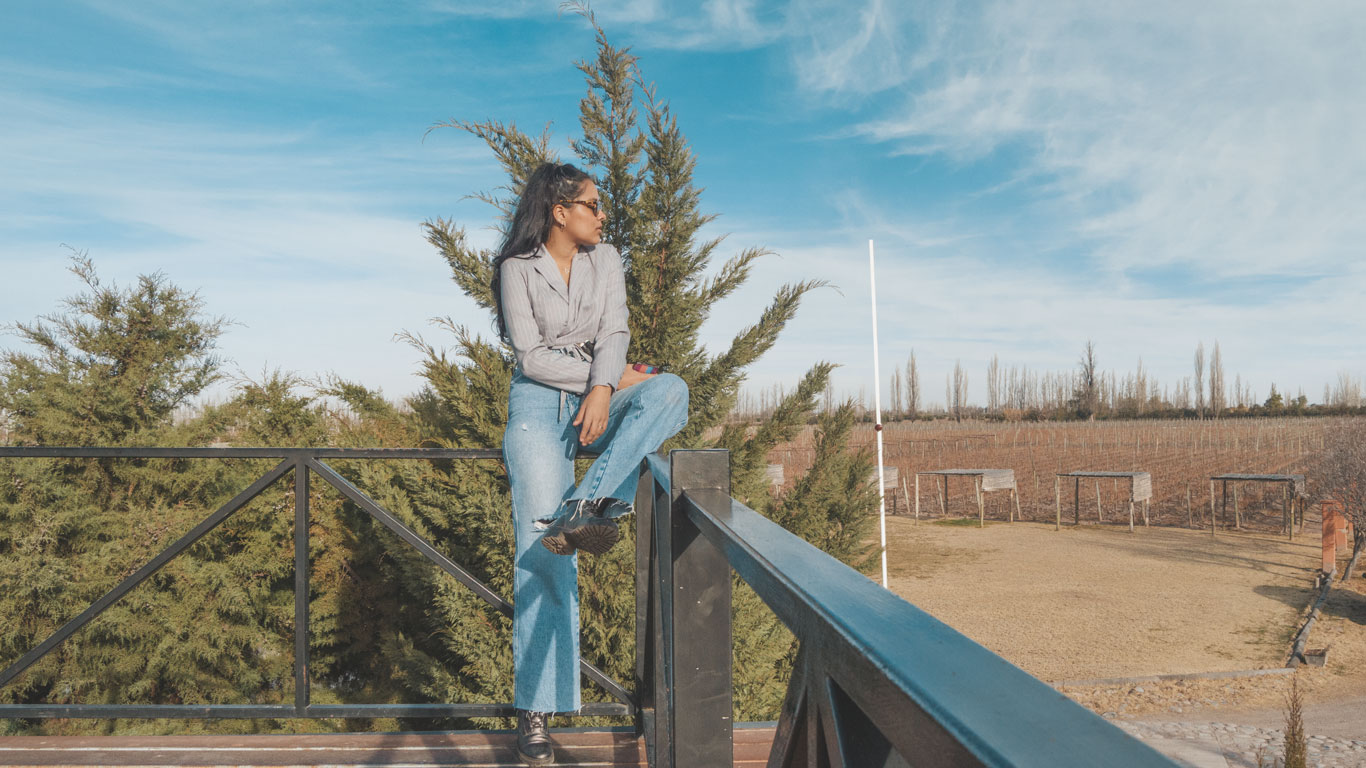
pixel 111 371
pixel 215 625
pixel 644 173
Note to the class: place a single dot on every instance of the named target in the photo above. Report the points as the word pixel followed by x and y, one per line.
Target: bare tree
pixel 1216 382
pixel 1200 379
pixel 994 385
pixel 912 387
pixel 1181 397
pixel 1140 389
pixel 894 396
pixel 1087 391
pixel 1347 393
pixel 960 386
pixel 958 392
pixel 1343 471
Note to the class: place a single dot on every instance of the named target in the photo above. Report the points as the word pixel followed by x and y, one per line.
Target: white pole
pixel 877 425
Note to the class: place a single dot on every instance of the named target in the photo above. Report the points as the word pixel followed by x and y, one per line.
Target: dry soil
pixel 1096 601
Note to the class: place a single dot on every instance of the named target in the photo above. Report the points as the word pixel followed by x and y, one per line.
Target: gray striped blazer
pixel 546 319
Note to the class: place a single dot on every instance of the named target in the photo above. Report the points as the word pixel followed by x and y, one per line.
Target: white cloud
pixel 264 41
pixel 507 9
pixel 839 48
pixel 1215 135
pixel 320 261
pixel 1210 140
pixel 711 25
pixel 968 309
pixel 722 25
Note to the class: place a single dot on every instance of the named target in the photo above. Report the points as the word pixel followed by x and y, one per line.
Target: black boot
pixel 583 528
pixel 533 740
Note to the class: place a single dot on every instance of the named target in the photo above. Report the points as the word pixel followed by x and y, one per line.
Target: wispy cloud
pixel 1212 134
pixel 967 309
pixel 841 48
pixel 722 25
pixel 263 42
pixel 711 25
pixel 1145 175
pixel 321 260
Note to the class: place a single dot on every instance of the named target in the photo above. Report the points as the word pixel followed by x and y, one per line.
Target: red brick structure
pixel 1337 532
pixel 1332 532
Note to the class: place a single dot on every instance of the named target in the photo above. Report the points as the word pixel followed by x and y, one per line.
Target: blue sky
pixel 1147 175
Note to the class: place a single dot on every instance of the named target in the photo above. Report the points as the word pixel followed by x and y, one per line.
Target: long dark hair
pixel 549 184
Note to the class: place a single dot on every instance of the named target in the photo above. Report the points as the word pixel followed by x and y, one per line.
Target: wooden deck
pixel 468 749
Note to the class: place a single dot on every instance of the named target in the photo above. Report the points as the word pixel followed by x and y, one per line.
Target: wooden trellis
pixel 1140 490
pixel 1294 495
pixel 983 482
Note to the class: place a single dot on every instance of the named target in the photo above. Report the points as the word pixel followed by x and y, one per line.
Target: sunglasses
pixel 592 205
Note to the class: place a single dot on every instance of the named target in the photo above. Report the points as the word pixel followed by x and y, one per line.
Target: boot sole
pixel 558 542
pixel 529 760
pixel 595 539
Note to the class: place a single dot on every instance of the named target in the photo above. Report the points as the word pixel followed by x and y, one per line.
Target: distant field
pixel 1180 455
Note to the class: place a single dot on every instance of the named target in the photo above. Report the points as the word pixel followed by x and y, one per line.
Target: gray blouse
pixel 547 319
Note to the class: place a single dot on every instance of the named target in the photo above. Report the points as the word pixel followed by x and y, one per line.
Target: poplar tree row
pixel 1086 391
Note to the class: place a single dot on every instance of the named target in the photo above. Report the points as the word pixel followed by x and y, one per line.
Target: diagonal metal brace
pixel 358 497
pixel 383 515
pixel 152 566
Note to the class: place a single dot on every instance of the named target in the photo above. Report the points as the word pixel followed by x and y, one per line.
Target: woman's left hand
pixel 592 416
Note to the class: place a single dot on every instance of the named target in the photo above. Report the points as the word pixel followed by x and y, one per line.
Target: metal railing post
pixel 646 606
pixel 696 599
pixel 659 649
pixel 301 524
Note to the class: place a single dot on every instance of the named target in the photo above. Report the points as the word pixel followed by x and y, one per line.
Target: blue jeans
pixel 538 449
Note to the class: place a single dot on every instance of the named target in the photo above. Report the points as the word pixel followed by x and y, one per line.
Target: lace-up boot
pixel 533 739
pixel 584 527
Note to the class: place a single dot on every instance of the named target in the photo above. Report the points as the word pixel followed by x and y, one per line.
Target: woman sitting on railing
pixel 561 304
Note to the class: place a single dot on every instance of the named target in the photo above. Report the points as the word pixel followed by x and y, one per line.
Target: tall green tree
pixel 644 170
pixel 215 625
pixel 116 363
pixel 109 371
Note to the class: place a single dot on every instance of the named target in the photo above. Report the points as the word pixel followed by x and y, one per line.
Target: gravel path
pixel 1339 719
pixel 1215 745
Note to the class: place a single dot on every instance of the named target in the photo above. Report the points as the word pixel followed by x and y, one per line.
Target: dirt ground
pixel 1099 602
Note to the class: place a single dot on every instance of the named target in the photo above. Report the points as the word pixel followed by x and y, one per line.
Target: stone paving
pixel 1221 745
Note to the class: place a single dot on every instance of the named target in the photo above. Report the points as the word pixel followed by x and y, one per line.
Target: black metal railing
pixel 877 682
pixel 303 463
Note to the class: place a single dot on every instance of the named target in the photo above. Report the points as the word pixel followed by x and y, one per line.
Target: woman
pixel 561 305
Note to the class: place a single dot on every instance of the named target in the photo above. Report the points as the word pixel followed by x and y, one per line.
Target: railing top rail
pixel 64 452
pixel 997 711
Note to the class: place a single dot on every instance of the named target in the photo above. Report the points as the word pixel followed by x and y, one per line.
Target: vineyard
pixel 1181 456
